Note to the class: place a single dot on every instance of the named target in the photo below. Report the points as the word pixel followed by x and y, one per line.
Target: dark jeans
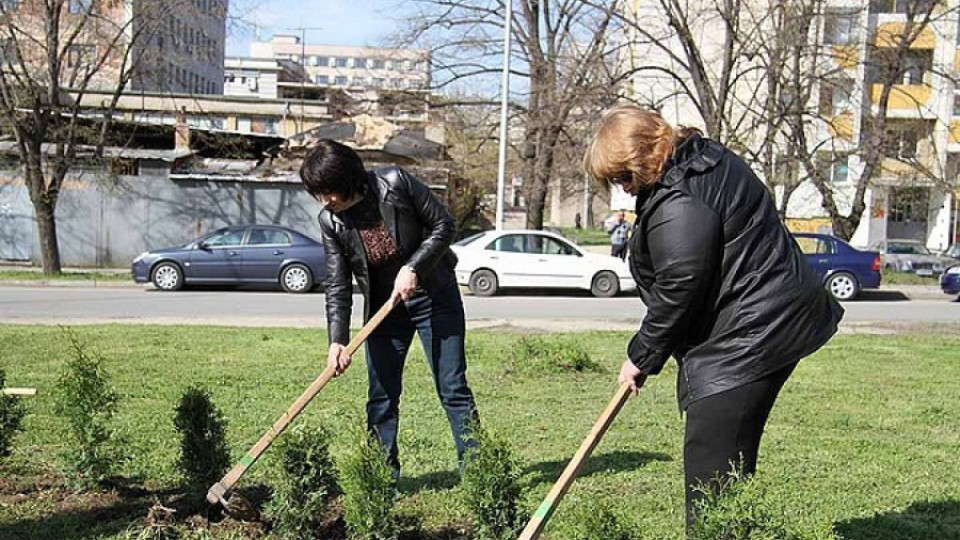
pixel 438 319
pixel 723 431
pixel 618 250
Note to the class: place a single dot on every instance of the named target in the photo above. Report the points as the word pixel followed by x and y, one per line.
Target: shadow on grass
pixel 617 461
pixel 437 480
pixel 545 471
pixel 92 520
pixel 927 520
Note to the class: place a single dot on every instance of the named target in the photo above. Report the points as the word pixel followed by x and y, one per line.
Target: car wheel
pixel 483 283
pixel 296 278
pixel 843 286
pixel 605 285
pixel 167 277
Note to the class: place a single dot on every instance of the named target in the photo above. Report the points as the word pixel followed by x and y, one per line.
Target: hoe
pixel 236 505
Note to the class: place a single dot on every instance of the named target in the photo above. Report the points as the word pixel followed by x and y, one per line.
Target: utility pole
pixel 303 65
pixel 504 96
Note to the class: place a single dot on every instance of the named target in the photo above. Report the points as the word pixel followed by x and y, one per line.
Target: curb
pixel 909 292
pixel 79 284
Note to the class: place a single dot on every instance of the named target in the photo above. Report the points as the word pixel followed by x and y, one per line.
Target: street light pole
pixel 504 106
pixel 303 64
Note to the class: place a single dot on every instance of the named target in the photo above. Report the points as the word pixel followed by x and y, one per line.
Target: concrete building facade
pixel 164 45
pixel 351 67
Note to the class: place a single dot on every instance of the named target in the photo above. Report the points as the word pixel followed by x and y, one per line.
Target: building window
pixel 914 65
pixel 10 5
pixel 839 173
pixel 359 62
pixel 378 63
pixel 79 55
pixel 900 142
pixel 397 83
pixel 359 81
pixel 913 7
pixel 340 81
pixel 244 125
pixel 841 28
pixel 378 82
pixel 321 79
pixel 835 97
pixel 323 61
pixel 79 6
pixel 956 105
pixel 341 62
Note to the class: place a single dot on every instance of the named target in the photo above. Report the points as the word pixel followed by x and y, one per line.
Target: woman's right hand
pixel 338 359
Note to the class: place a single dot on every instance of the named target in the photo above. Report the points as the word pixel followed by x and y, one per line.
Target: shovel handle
pixel 217 492
pixel 542 515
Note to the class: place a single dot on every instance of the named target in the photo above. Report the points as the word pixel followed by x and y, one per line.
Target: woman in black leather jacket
pixel 386 229
pixel 728 293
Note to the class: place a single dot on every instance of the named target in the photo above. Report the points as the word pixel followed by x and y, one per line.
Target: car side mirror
pixel 203 246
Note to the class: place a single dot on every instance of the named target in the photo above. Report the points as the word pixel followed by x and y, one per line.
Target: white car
pixel 493 260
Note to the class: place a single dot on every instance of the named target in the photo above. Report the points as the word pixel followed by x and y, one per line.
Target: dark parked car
pixel 950 280
pixel 843 269
pixel 243 254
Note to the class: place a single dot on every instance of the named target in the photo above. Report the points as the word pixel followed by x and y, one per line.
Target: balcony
pixel 889 34
pixel 905 98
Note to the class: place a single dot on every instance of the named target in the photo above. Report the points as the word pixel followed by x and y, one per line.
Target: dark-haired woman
pixel 728 293
pixel 388 231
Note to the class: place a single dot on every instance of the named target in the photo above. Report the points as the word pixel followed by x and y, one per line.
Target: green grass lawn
pixel 587 237
pixel 906 278
pixel 865 438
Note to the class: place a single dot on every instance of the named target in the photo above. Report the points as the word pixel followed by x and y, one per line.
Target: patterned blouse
pixel 382 250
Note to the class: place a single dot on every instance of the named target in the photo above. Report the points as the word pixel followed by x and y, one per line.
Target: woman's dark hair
pixel 331 167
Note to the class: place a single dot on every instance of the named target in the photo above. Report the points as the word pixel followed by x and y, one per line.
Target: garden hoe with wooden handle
pixel 539 520
pixel 236 505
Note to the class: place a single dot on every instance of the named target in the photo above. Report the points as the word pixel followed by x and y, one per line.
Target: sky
pixel 329 22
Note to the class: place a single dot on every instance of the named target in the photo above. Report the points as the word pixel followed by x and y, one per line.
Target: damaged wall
pixel 107 222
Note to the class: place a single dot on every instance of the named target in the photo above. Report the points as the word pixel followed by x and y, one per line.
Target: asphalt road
pixel 87 305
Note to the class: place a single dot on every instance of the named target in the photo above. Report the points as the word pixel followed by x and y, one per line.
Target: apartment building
pixel 389 83
pixel 351 67
pixel 185 51
pixel 915 192
pixel 179 45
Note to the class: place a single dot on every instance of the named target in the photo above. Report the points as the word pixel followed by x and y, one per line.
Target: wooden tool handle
pixel 539 520
pixel 216 492
pixel 19 391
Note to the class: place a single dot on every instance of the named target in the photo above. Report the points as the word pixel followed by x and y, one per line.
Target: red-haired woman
pixel 728 293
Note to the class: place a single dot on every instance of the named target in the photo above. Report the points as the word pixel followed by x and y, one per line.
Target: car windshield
pixel 904 248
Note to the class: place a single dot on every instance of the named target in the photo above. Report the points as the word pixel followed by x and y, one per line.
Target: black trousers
pixel 723 432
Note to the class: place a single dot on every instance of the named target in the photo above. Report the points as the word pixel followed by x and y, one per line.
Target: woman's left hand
pixel 631 374
pixel 406 283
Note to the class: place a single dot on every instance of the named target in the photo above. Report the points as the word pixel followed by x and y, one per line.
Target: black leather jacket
pixel 420 224
pixel 728 291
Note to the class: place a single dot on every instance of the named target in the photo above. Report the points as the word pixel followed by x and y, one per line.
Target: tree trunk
pixel 44 207
pixel 47 229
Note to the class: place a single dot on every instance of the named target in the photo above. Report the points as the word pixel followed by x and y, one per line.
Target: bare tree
pixel 471 138
pixel 54 51
pixel 760 76
pixel 559 45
